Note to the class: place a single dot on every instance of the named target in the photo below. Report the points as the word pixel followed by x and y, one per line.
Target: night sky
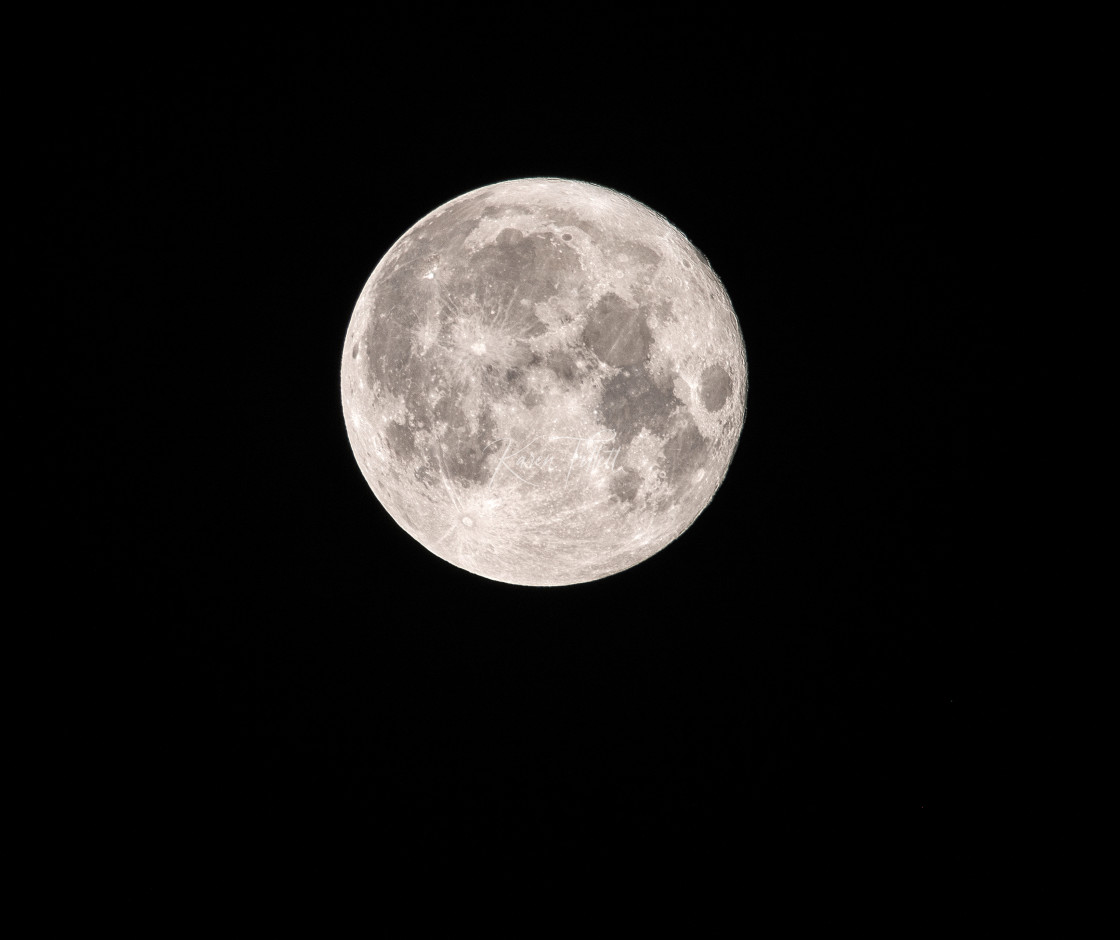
pixel 817 653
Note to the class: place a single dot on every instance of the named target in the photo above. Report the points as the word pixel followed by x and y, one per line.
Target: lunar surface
pixel 544 382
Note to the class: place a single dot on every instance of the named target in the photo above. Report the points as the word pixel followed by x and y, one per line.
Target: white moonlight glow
pixel 544 382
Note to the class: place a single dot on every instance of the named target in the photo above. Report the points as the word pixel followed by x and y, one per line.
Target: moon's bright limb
pixel 544 382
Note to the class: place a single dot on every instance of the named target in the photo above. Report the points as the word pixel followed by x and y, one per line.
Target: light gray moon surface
pixel 544 382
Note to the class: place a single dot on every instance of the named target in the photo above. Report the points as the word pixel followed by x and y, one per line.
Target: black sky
pixel 817 650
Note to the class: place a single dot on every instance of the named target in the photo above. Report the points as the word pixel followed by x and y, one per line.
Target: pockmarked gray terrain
pixel 544 382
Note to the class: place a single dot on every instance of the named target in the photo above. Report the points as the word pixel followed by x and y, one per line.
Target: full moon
pixel 544 382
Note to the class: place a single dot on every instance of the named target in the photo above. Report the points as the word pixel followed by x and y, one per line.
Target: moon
pixel 544 382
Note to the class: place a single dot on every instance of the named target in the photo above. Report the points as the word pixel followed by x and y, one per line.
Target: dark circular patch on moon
pixel 715 386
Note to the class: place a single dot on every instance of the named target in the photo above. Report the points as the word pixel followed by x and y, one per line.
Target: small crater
pixel 567 237
pixel 354 351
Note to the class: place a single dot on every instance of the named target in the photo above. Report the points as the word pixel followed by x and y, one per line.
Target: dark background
pixel 816 654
